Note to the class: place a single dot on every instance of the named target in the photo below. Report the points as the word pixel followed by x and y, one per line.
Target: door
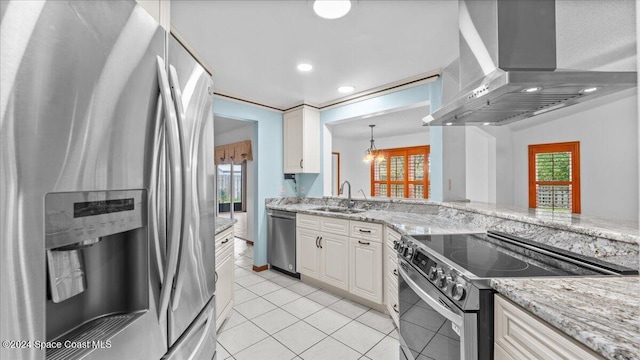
pixel 231 189
pixel 192 89
pixel 333 263
pixel 307 253
pixel 293 142
pixel 365 273
pixel 78 111
pixel 431 325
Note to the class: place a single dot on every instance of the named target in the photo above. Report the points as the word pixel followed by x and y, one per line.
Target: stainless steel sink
pixel 339 210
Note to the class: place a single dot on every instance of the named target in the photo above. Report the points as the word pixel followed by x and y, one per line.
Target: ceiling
pixel 254 46
pixel 403 122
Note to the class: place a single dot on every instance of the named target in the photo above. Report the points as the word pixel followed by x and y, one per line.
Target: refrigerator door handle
pixel 177 95
pixel 154 195
pixel 208 321
pixel 176 198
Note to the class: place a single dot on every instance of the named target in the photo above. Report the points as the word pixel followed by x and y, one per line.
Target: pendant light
pixel 372 153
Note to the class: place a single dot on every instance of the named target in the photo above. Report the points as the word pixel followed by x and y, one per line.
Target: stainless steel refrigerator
pixel 106 186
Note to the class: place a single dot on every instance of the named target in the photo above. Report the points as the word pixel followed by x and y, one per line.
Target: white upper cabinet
pixel 302 141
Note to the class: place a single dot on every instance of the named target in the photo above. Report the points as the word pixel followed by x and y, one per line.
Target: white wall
pixel 240 134
pixel 480 165
pixel 357 172
pixel 608 136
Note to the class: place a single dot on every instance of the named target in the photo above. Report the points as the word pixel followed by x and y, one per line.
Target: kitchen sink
pixel 339 210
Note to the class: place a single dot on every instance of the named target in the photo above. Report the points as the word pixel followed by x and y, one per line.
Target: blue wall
pixel 267 144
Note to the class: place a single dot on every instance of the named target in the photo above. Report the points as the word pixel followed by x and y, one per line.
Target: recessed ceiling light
pixel 449 123
pixel 486 123
pixel 305 67
pixel 532 89
pixel 346 89
pixel 589 90
pixel 331 9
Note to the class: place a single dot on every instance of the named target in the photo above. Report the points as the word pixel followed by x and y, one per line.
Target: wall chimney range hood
pixel 508 66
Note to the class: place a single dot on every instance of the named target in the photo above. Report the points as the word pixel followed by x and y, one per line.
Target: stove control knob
pixel 440 278
pixel 457 292
pixel 445 281
pixel 396 244
pixel 400 248
pixel 408 252
pixel 432 273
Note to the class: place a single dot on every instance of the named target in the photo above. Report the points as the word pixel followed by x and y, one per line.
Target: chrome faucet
pixel 350 203
pixel 363 194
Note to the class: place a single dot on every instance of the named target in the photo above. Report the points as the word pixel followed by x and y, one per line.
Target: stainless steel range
pixel 446 302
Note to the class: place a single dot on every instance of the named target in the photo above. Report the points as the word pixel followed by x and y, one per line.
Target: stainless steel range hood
pixel 508 66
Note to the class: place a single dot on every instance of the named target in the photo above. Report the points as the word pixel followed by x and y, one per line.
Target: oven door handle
pixel 435 304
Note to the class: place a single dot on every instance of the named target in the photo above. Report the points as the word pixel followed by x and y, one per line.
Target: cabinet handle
pixel 216 278
pixel 301 163
pixel 364 242
pixel 365 231
pixel 224 241
pixel 320 242
pixel 395 308
pixel 395 272
pixel 317 238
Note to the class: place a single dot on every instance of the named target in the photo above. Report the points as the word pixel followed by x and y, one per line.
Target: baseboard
pixel 260 268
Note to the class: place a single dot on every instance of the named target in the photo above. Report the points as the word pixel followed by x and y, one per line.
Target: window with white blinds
pixel 554 176
pixel 404 173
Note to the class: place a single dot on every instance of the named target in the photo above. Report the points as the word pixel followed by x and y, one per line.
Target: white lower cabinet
pixel 224 275
pixel 333 260
pixel 365 269
pixel 519 334
pixel 307 252
pixel 321 255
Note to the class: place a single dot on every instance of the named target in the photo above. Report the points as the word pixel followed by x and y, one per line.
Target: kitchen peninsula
pixel 609 329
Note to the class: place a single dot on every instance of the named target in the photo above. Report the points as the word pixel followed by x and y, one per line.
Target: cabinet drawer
pixel 393 305
pixel 224 240
pixel 366 231
pixel 391 267
pixel 519 334
pixel 334 226
pixel 308 221
pixel 392 236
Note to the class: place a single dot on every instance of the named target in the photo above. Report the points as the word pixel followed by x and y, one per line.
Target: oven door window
pixel 425 333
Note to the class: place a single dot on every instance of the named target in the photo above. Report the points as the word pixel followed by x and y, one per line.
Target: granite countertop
pixel 223 224
pixel 405 223
pixel 621 230
pixel 602 313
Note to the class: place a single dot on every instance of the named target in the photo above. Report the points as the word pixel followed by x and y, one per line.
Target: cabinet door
pixel 307 253
pixel 333 261
pixel 293 142
pixel 365 269
pixel 224 286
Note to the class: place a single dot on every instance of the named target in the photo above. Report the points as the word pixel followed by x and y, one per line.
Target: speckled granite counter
pixel 223 224
pixel 602 313
pixel 617 242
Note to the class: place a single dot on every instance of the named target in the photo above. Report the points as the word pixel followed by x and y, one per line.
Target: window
pixel 404 173
pixel 554 176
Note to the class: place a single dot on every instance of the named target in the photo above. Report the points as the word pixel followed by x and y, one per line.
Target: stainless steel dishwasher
pixel 281 240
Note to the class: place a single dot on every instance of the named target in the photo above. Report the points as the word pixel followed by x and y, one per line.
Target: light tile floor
pixel 278 317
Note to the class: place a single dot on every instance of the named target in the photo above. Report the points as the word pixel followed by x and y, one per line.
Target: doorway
pixel 232 191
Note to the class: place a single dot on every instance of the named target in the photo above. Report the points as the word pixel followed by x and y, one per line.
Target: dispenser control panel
pixel 73 217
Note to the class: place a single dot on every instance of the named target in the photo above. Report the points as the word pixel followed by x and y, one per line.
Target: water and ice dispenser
pixel 97 258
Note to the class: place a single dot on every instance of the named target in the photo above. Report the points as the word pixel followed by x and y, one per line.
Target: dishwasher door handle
pixel 282 217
